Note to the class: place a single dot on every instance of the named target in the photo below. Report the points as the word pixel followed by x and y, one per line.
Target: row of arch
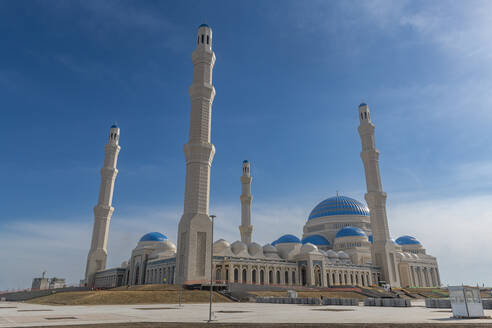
pixel 203 39
pixel 354 278
pixel 424 276
pixel 161 275
pixel 260 276
pixel 363 115
pixel 291 276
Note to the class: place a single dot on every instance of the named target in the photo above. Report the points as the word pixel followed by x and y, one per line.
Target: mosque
pixel 344 241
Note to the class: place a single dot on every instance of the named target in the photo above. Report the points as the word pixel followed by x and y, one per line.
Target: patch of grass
pixel 103 297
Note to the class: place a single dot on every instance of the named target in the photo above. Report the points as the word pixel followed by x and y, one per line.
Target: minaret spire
pixel 195 226
pixel 246 228
pixel 96 260
pixel 383 253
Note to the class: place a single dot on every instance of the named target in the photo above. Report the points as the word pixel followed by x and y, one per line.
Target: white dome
pixel 254 249
pixel 331 254
pixel 221 245
pixel 167 245
pixel 239 246
pixel 268 248
pixel 164 250
pixel 270 251
pixel 342 255
pixel 309 248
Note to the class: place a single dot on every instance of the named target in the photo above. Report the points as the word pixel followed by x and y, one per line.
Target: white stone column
pixel 246 229
pixel 195 227
pixel 383 254
pixel 96 259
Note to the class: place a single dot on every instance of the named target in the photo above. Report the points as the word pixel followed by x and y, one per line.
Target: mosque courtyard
pixel 230 315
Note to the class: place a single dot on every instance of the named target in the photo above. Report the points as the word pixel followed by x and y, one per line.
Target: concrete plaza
pixel 28 315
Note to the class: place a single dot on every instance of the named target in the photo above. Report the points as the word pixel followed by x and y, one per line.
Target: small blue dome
pixel 363 104
pixel 153 236
pixel 407 240
pixel 339 205
pixel 350 232
pixel 245 161
pixel 114 126
pixel 204 25
pixel 287 239
pixel 317 240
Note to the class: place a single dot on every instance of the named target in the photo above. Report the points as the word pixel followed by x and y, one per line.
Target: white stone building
pixel 344 241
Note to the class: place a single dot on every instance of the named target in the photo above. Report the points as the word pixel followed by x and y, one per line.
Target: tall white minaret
pixel 246 228
pixel 383 252
pixel 195 226
pixel 96 260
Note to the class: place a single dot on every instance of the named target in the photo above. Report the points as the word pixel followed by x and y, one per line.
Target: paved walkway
pixel 29 315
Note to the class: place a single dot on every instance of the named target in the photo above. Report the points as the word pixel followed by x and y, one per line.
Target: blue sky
pixel 289 76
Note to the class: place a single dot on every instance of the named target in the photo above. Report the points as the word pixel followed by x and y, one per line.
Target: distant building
pixel 57 283
pixel 344 241
pixel 47 283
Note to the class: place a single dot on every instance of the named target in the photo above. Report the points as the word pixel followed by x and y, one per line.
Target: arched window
pixel 293 277
pixel 278 277
pixel 244 276
pixel 218 275
pixel 236 275
pixel 286 277
pixel 137 272
pixel 361 116
pixel 253 276
pixel 303 276
pixel 207 39
pixel 270 277
pixel 365 115
pixel 317 276
pixel 203 37
pixel 262 277
pixel 227 274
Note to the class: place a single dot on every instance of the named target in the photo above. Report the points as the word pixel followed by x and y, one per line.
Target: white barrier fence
pixel 309 300
pixel 387 302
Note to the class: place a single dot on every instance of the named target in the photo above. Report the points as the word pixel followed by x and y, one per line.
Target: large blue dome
pixel 407 240
pixel 339 205
pixel 317 240
pixel 350 232
pixel 287 239
pixel 153 236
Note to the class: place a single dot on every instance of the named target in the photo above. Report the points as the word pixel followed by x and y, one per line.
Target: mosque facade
pixel 344 242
